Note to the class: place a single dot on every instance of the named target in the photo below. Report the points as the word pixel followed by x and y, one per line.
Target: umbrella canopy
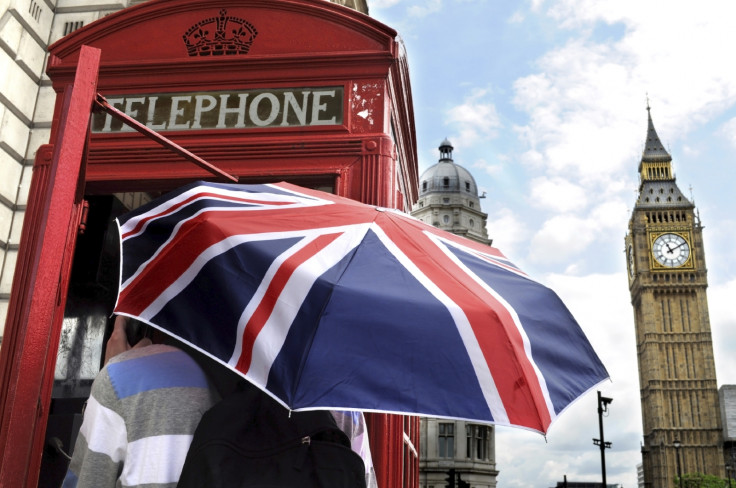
pixel 325 302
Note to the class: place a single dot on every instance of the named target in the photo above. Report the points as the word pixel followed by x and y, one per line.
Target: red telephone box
pixel 304 91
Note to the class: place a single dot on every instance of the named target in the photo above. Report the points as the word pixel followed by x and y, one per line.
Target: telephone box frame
pixel 370 156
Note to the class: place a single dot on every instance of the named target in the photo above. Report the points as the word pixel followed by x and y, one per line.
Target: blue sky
pixel 545 102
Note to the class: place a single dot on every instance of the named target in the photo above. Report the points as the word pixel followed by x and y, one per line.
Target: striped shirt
pixel 139 421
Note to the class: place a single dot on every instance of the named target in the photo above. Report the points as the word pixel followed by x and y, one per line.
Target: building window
pixel 445 200
pixel 446 219
pixel 472 223
pixel 471 204
pixel 424 186
pixel 478 441
pixel 445 181
pixel 70 27
pixel 35 10
pixel 446 440
pixel 467 186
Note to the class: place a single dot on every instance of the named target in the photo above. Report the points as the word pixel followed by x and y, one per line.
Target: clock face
pixel 671 250
pixel 630 259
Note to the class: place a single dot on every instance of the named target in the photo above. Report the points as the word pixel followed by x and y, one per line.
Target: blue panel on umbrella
pixel 553 332
pixel 207 311
pixel 380 320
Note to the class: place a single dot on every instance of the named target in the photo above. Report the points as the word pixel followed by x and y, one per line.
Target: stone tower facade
pixel 448 199
pixel 27 28
pixel 668 281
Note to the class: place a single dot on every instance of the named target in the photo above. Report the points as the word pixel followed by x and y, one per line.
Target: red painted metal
pixel 301 44
pixel 39 287
pixel 103 104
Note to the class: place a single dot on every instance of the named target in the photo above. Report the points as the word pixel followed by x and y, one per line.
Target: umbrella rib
pixel 548 408
pixel 326 301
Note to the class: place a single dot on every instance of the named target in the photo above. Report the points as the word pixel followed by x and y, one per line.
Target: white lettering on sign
pixel 226 110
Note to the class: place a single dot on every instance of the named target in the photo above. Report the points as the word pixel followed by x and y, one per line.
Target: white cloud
pixel 516 18
pixel 475 119
pixel 557 194
pixel 535 5
pixel 728 130
pixel 560 238
pixel 611 215
pixel 487 168
pixel 584 116
pixel 723 327
pixel 586 101
pixel 383 3
pixel 425 8
pixel 507 231
pixel 563 238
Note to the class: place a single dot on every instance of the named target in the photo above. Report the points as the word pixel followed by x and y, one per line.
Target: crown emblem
pixel 220 35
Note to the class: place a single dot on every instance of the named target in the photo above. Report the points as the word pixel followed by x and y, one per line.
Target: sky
pixel 545 103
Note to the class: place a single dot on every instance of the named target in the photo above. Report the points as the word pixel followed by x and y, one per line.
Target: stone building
pixel 448 199
pixel 668 280
pixel 727 399
pixel 27 28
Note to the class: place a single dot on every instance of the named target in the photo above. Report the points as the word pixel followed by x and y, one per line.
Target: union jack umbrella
pixel 325 302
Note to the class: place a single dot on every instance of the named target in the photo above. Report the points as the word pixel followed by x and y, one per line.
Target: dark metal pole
pixel 104 105
pixel 603 403
pixel 603 445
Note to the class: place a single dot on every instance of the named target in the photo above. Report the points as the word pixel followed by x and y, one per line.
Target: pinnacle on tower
pixel 654 150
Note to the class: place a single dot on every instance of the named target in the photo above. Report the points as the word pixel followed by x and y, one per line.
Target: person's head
pixel 123 333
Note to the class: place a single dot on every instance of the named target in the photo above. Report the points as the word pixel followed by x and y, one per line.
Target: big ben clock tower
pixel 668 281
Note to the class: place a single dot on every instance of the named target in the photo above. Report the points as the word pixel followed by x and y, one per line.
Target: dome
pixel 446 176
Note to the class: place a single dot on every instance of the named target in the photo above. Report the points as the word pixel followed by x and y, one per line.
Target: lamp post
pixel 603 403
pixel 678 445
